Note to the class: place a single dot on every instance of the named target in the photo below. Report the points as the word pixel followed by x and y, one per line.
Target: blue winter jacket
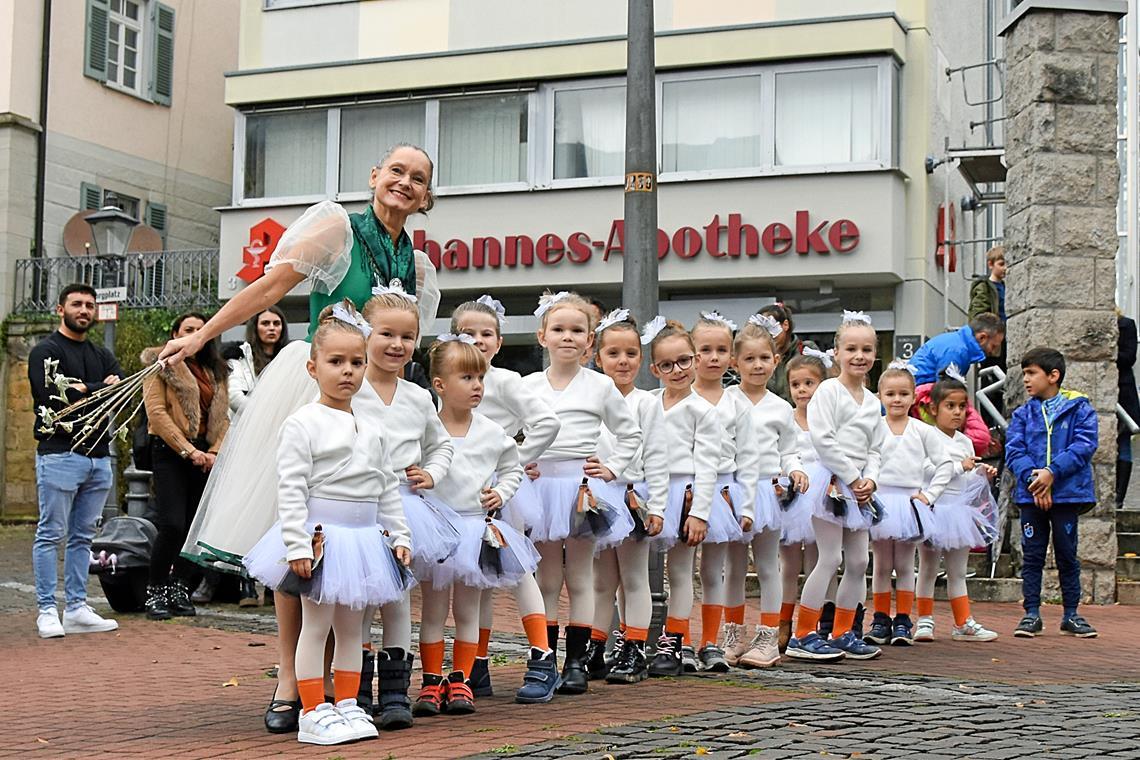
pixel 938 353
pixel 1066 447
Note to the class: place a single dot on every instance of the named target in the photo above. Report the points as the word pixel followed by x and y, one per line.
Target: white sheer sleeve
pixel 318 246
pixel 427 291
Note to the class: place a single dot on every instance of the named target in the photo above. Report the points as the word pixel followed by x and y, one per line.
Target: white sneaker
pixel 972 630
pixel 48 624
pixel 86 620
pixel 358 720
pixel 324 725
pixel 924 630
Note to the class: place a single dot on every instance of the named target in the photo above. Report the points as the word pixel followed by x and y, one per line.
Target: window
pixel 124 45
pixel 827 116
pixel 366 133
pixel 127 204
pixel 285 154
pixel 483 141
pixel 129 45
pixel 589 132
pixel 709 124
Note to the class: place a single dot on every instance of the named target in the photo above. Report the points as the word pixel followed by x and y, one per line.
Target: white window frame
pixel 527 183
pixel 548 93
pixel 282 200
pixel 142 70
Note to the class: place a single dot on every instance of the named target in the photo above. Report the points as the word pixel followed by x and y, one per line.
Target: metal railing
pixel 168 279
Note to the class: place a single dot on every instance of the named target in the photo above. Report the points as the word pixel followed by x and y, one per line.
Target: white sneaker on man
pixel 324 725
pixel 47 622
pixel 86 620
pixel 358 720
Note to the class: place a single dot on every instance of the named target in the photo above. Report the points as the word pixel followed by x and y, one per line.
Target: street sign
pixel 108 312
pixel 907 345
pixel 111 295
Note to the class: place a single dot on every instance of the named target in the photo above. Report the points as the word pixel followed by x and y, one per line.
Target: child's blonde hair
pixel 994 254
pixel 752 331
pixel 850 321
pixel 395 302
pixel 475 307
pixel 455 356
pixel 627 324
pixel 672 328
pixel 715 324
pixel 892 372
pixel 328 323
pixel 571 301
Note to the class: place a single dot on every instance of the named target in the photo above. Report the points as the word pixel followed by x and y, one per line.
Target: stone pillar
pixel 19 420
pixel 1060 230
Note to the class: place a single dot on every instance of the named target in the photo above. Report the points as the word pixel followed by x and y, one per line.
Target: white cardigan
pixel 848 436
pixel 910 457
pixel 410 426
pixel 486 453
pixel 652 461
pixel 695 434
pixel 957 448
pixel 506 403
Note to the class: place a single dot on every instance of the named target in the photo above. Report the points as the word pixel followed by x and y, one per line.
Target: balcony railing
pixel 168 279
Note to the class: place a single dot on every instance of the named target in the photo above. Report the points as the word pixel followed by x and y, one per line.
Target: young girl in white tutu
pixel 484 474
pixel 420 452
pixel 911 446
pixel 963 517
pixel 693 432
pixel 328 545
pixel 774 438
pixel 644 487
pixel 735 484
pixel 846 428
pixel 574 520
pixel 505 403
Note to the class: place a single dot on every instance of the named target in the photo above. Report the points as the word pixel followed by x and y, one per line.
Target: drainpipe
pixel 41 141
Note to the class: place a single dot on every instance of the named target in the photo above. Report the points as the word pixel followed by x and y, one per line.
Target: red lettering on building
pixel 776 238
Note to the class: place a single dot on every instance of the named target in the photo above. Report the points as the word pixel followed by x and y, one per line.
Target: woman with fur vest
pixel 187 407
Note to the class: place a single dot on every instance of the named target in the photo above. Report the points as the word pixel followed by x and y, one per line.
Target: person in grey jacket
pixel 265 335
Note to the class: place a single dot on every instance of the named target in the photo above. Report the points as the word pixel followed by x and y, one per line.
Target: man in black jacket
pixel 72 485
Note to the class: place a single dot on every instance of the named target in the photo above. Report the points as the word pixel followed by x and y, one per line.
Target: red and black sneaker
pixel 432 698
pixel 460 699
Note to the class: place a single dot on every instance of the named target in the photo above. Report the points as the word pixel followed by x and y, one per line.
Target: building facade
pixel 793 146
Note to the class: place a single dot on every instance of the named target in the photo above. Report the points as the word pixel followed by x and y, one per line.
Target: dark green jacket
pixel 983 298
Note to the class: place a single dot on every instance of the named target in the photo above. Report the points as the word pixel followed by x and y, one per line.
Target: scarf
pixel 382 259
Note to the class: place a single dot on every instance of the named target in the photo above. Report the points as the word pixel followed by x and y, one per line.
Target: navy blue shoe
pixel 855 648
pixel 480 680
pixel 1079 627
pixel 540 680
pixel 813 647
pixel 903 635
pixel 880 632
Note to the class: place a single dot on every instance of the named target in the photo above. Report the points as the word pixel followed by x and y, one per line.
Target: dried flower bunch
pixel 107 411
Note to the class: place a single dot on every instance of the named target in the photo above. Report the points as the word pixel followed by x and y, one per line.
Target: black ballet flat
pixel 278 721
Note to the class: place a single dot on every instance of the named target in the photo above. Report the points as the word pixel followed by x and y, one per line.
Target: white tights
pixel 766 558
pixel 679 566
pixel 956 561
pixel 316 622
pixel 396 617
pixel 892 555
pixel 627 565
pixel 793 559
pixel 464 603
pixel 578 575
pixel 837 545
pixel 714 557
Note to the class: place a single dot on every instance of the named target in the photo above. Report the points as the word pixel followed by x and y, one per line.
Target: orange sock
pixel 960 605
pixel 596 635
pixel 844 619
pixel 678 626
pixel 535 627
pixel 734 614
pixel 484 642
pixel 770 619
pixel 787 612
pixel 925 606
pixel 882 602
pixel 346 684
pixel 312 692
pixel 710 622
pixel 636 634
pixel 904 602
pixel 809 619
pixel 431 657
pixel 621 627
pixel 463 656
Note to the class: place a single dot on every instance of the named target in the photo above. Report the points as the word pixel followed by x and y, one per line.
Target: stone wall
pixel 1060 232
pixel 19 419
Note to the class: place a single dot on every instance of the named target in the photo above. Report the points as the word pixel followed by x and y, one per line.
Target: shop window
pixel 483 141
pixel 367 133
pixel 285 154
pixel 827 116
pixel 589 132
pixel 711 124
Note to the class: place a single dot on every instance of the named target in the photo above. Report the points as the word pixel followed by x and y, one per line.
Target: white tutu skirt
pixel 523 510
pixel 966 519
pixel 903 520
pixel 358 568
pixel 722 524
pixel 768 515
pixel 615 493
pixel 504 569
pixel 434 529
pixel 796 520
pixel 556 490
pixel 239 503
pixel 853 518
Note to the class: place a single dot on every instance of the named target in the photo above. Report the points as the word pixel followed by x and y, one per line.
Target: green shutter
pixel 95 56
pixel 90 197
pixel 162 74
pixel 156 218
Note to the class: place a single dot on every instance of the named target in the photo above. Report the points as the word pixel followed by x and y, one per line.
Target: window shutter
pixel 90 197
pixel 156 218
pixel 162 73
pixel 95 58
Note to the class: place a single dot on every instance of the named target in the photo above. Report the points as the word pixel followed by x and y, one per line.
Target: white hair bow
pixel 611 319
pixel 954 373
pixel 856 316
pixel 546 300
pixel 767 323
pixel 827 357
pixel 496 305
pixel 461 337
pixel 394 287
pixel 342 313
pixel 715 316
pixel 903 364
pixel 655 326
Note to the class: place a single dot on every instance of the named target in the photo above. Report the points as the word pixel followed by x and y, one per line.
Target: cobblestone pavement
pixel 196 689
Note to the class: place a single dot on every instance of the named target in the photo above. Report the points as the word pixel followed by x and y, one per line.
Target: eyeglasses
pixel 667 366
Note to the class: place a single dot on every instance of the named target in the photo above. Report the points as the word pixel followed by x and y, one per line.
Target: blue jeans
pixel 72 491
pixel 1036 526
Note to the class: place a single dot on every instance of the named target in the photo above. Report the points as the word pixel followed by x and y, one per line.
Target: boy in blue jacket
pixel 1049 448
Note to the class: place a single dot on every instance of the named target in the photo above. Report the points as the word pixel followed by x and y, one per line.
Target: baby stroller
pixel 120 556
